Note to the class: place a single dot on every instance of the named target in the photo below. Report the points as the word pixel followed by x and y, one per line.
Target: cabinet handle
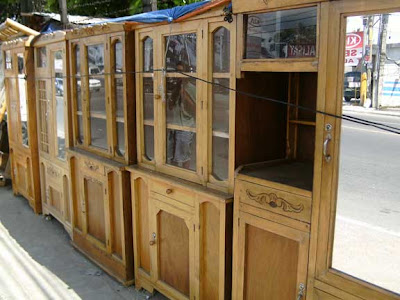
pixel 168 191
pixel 153 241
pixel 326 143
pixel 302 289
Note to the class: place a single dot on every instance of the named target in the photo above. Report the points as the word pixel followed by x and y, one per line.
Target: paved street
pixel 38 262
pixel 367 231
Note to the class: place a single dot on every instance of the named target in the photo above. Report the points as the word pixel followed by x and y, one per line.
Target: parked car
pixel 94 85
pixel 351 85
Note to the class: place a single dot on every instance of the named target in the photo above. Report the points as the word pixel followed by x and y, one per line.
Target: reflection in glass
pixel 148 55
pixel 8 60
pixel 41 57
pixel 221 51
pixel 220 157
pixel 21 64
pixel 181 101
pixel 181 52
pixel 98 132
pixel 118 57
pixel 181 149
pixel 95 59
pixel 220 105
pixel 367 222
pixel 77 60
pixel 148 98
pixel 149 142
pixel 80 129
pixel 119 97
pixel 97 96
pixel 78 94
pixel 60 113
pixel 120 138
pixel 281 34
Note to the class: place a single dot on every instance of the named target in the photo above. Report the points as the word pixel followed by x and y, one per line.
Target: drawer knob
pixel 168 191
pixel 153 240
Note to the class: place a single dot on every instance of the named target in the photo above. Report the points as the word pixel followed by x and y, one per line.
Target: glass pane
pixel 367 226
pixel 21 64
pixel 8 60
pixel 60 121
pixel 118 57
pixel 149 142
pixel 95 59
pixel 78 94
pixel 77 60
pixel 98 132
pixel 80 129
pixel 41 57
pixel 121 138
pixel 281 34
pixel 23 104
pixel 181 52
pixel 221 50
pixel 181 101
pixel 220 105
pixel 119 97
pixel 181 149
pixel 220 157
pixel 43 116
pixel 148 98
pixel 97 96
pixel 148 55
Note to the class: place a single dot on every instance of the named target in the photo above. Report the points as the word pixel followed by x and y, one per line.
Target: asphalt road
pixel 369 178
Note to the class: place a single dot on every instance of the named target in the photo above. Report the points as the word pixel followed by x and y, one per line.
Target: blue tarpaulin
pixel 163 15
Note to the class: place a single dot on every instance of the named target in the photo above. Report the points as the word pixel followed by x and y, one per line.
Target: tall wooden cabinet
pixel 103 143
pixel 53 126
pixel 183 184
pixel 19 74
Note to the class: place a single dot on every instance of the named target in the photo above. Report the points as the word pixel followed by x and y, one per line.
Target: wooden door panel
pixel 173 250
pixel 94 196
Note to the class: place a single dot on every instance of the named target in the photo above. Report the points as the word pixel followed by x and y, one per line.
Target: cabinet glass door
pixel 23 101
pixel 58 98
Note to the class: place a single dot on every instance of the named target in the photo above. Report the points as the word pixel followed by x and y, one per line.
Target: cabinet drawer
pixel 92 166
pixel 174 192
pixel 277 201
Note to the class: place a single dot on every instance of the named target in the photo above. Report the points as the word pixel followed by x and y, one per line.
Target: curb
pixel 371 111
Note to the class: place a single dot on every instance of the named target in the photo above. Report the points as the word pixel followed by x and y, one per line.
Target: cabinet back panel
pixel 270 265
pixel 173 251
pixel 95 209
pixel 116 213
pixel 143 212
pixel 260 124
pixel 209 273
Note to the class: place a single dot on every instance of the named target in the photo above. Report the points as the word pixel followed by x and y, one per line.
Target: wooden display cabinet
pixel 275 145
pixel 103 143
pixel 182 237
pixel 19 81
pixel 53 115
pixel 182 188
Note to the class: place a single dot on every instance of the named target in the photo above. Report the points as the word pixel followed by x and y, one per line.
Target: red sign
pixel 354 48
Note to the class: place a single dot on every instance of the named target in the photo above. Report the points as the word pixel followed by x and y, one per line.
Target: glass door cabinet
pixel 19 81
pixel 53 114
pixel 103 143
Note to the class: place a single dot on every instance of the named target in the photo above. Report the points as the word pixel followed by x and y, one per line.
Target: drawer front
pixel 277 201
pixel 92 166
pixel 240 6
pixel 174 192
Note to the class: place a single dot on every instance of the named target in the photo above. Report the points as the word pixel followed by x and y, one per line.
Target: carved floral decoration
pixel 274 201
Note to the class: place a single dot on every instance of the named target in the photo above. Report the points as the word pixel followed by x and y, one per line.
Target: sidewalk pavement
pixel 38 262
pixel 395 111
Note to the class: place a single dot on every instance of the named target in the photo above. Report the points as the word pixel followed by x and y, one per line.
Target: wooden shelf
pixel 298 174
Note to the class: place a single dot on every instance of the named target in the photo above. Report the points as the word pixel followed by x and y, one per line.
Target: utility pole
pixel 153 5
pixel 380 61
pixel 63 13
pixel 369 50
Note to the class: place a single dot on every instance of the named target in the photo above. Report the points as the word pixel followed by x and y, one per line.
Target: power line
pixel 361 121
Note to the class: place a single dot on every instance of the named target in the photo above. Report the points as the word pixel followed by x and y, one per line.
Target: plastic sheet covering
pixel 163 15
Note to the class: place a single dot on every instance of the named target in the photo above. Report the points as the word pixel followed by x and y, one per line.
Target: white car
pixel 94 85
